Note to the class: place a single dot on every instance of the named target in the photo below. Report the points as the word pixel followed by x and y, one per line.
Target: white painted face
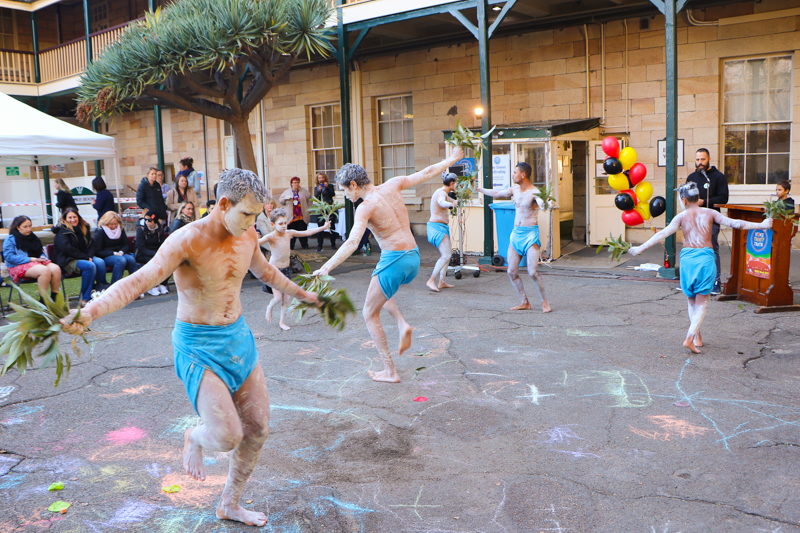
pixel 280 225
pixel 240 217
pixel 517 175
pixel 351 192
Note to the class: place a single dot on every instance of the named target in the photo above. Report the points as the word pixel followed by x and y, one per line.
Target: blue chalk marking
pixel 299 408
pixel 348 506
pixel 11 480
pixel 209 461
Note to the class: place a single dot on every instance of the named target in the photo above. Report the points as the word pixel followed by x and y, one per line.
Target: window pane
pixel 330 159
pixel 734 107
pixel 316 117
pixel 337 136
pixel 756 106
pixel 396 107
pixel 387 174
pixel 734 169
pixel 327 137
pixel 780 105
pixel 397 132
pixel 780 72
pixel 779 138
pixel 327 116
pixel 387 159
pixel 734 140
pixel 383 109
pixel 337 115
pixel 757 139
pixel 778 168
pixel 409 107
pixel 316 139
pixel 756 75
pixel 755 170
pixel 339 160
pixel 734 76
pixel 410 157
pixel 408 131
pixel 385 133
pixel 319 160
pixel 400 156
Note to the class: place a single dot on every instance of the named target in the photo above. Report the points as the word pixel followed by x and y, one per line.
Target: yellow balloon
pixel 643 191
pixel 643 208
pixel 618 182
pixel 627 157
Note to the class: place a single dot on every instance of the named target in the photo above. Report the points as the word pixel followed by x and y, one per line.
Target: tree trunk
pixel 244 145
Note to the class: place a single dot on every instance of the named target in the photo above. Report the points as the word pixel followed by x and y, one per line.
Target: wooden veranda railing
pixel 16 66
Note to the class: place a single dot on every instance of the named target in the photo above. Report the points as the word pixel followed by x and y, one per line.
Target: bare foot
pixel 284 327
pixel 443 285
pixel 193 457
pixel 236 513
pixel 432 285
pixel 405 339
pixel 690 346
pixel 546 307
pixel 698 339
pixel 268 316
pixel 384 375
pixel 522 307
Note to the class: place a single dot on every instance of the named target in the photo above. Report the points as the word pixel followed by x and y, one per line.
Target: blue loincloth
pixel 227 351
pixel 396 268
pixel 698 271
pixel 523 237
pixel 437 231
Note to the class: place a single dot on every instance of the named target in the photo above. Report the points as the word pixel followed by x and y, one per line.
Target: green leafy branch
pixel 323 210
pixel 336 304
pixel 616 247
pixel 35 326
pixel 546 195
pixel 466 139
pixel 781 211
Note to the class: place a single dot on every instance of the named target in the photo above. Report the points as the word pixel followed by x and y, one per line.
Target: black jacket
pixel 327 195
pixel 175 225
pixel 106 246
pixel 717 191
pixel 69 245
pixel 65 200
pixel 149 197
pixel 147 242
pixel 103 203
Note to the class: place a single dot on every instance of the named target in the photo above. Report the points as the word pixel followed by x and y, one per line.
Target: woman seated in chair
pixel 149 238
pixel 112 246
pixel 25 257
pixel 74 251
pixel 185 215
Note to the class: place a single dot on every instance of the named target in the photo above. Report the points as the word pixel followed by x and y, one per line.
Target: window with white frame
pixel 757 119
pixel 396 136
pixel 326 139
pixel 7 29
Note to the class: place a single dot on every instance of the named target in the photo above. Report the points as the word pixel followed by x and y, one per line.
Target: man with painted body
pixel 698 269
pixel 439 231
pixel 215 353
pixel 524 240
pixel 384 212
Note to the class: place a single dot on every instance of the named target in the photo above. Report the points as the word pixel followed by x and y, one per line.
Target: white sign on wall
pixel 58 169
pixel 501 171
pixel 662 153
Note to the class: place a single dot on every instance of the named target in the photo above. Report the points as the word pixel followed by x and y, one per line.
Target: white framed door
pixel 604 217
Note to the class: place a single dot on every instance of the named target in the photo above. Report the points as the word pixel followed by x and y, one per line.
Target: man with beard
pixel 713 189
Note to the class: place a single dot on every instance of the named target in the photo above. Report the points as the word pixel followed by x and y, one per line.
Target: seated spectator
pixel 181 194
pixel 185 216
pixel 209 207
pixel 149 238
pixel 24 256
pixel 74 251
pixel 112 246
pixel 104 201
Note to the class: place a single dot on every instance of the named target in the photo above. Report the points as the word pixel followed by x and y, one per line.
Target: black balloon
pixel 628 175
pixel 612 166
pixel 624 201
pixel 658 204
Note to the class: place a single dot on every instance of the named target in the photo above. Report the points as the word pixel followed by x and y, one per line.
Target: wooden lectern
pixel 764 280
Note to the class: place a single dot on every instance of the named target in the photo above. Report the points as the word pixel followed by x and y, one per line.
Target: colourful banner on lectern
pixel 758 260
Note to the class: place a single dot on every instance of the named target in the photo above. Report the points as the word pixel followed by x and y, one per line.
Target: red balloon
pixel 637 173
pixel 632 218
pixel 633 195
pixel 611 146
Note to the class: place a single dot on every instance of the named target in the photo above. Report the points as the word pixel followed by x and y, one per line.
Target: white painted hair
pixel 352 172
pixel 689 191
pixel 235 183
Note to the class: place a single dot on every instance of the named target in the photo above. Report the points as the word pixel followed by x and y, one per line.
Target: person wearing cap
pixel 149 238
pixel 439 230
pixel 295 199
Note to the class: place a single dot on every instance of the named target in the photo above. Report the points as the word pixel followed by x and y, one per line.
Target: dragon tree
pixel 218 58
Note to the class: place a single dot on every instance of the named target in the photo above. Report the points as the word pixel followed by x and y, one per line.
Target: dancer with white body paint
pixel 215 352
pixel 439 231
pixel 384 212
pixel 698 268
pixel 524 241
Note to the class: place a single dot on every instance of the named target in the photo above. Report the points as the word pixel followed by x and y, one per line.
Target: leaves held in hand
pixel 467 140
pixel 546 195
pixel 336 304
pixel 781 211
pixel 323 210
pixel 35 326
pixel 616 247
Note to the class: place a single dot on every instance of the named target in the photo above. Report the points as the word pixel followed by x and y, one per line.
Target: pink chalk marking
pixel 420 399
pixel 125 435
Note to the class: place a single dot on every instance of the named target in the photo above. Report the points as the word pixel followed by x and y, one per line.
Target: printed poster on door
pixel 758 259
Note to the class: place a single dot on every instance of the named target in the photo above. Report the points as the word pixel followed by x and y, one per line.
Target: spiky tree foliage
pixel 195 55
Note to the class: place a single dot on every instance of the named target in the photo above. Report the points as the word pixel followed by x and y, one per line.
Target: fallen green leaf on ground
pixel 171 488
pixel 59 507
pixel 56 486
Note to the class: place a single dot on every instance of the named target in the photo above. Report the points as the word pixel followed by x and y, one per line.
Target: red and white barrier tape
pixel 121 200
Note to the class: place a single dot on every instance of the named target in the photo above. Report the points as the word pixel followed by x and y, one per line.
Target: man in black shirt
pixel 713 192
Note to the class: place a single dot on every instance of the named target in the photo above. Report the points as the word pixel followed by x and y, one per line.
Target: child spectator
pixel 783 189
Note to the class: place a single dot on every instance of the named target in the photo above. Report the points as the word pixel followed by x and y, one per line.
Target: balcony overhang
pixel 24 5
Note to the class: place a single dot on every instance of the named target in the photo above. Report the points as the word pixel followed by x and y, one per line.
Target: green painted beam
pixel 35 37
pixel 47 195
pixel 501 16
pixel 671 40
pixel 87 26
pixel 157 114
pixel 486 124
pixel 465 22
pixel 344 106
pixel 357 42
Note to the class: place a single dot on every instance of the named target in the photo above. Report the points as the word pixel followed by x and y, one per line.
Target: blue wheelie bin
pixel 504 213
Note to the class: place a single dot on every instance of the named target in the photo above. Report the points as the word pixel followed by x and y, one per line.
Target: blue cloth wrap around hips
pixel 437 231
pixel 698 271
pixel 523 237
pixel 227 351
pixel 396 268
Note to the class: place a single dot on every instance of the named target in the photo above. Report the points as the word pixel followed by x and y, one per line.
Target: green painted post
pixel 35 37
pixel 344 106
pixel 87 27
pixel 671 35
pixel 47 198
pixel 157 112
pixel 486 124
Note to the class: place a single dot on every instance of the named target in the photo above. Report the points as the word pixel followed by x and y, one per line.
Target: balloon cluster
pixel 627 176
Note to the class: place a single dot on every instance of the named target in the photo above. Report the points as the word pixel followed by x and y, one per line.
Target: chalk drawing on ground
pixel 626 388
